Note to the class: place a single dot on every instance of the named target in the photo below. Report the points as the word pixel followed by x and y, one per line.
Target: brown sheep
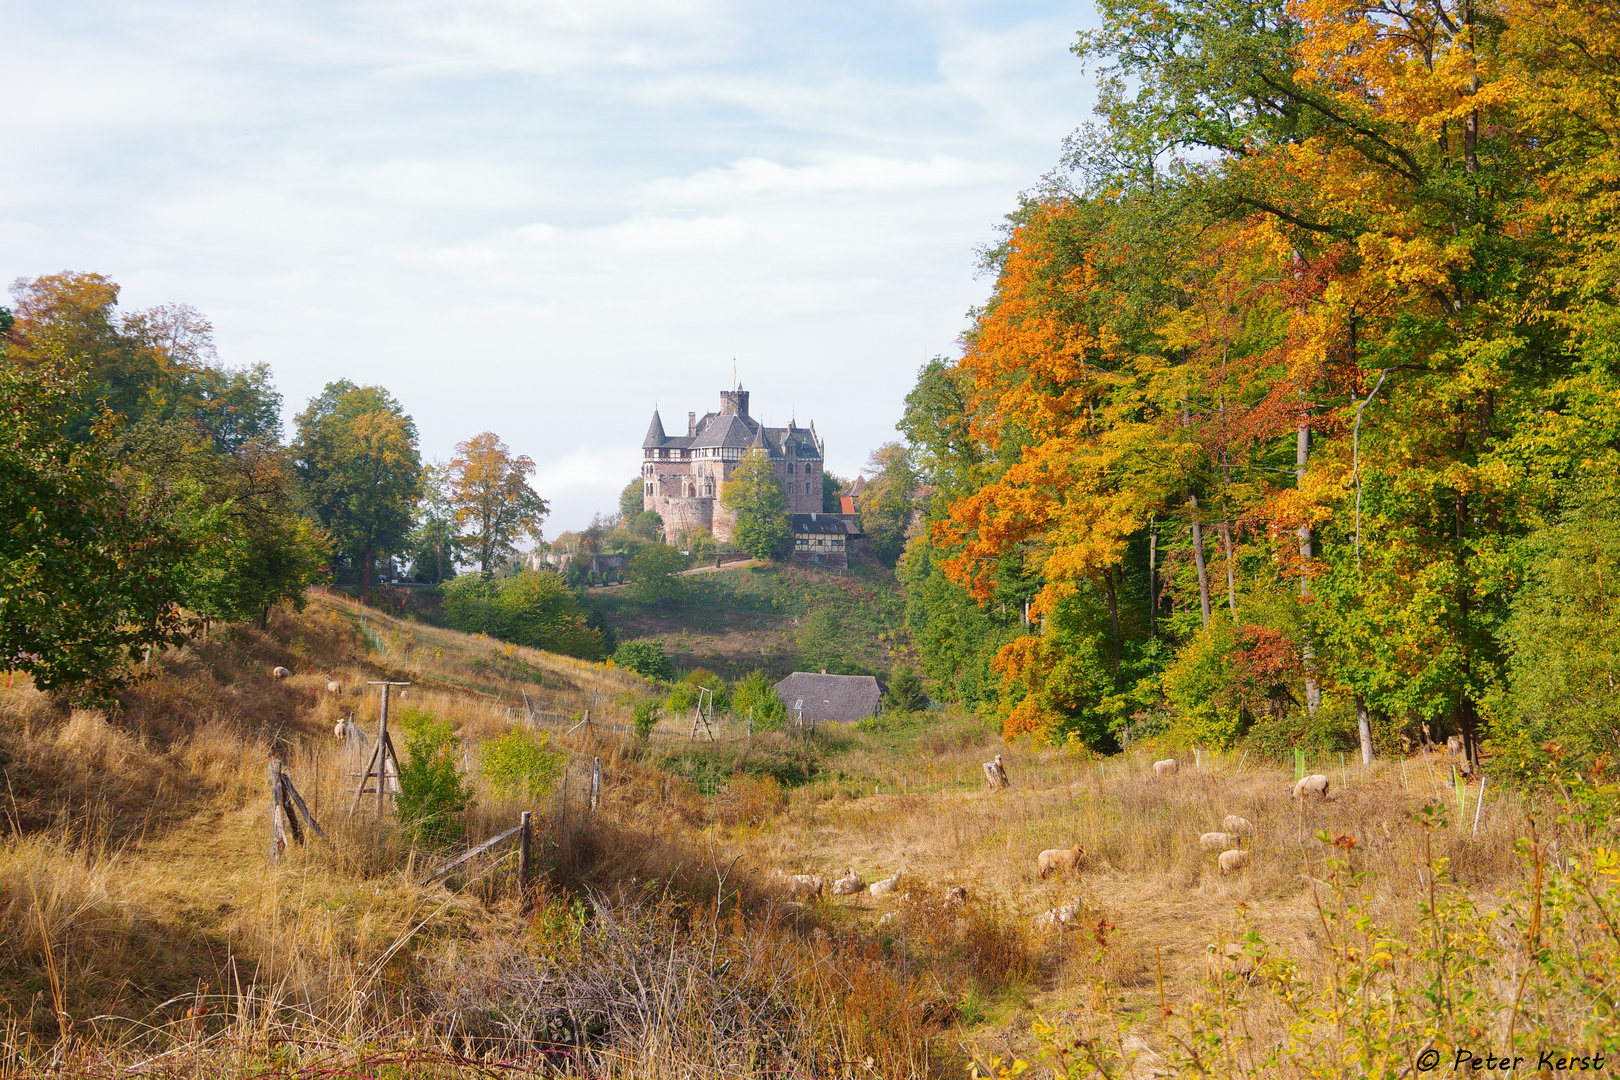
pixel 1233 861
pixel 1055 859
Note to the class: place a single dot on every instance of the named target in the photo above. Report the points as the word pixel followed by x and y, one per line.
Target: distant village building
pixel 814 698
pixel 682 474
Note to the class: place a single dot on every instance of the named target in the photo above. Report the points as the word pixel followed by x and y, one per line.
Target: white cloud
pixel 539 218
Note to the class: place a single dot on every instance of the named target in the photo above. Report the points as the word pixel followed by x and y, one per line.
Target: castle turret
pixel 655 433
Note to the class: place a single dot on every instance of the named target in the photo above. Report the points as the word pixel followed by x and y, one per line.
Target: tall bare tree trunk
pixel 365 575
pixel 1307 550
pixel 1231 569
pixel 1364 726
pixel 1198 560
pixel 1113 619
pixel 1153 582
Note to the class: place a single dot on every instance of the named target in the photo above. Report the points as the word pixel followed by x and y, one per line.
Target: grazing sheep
pixel 1233 861
pixel 956 894
pixel 884 887
pixel 1059 918
pixel 341 728
pixel 1167 767
pixel 1055 859
pixel 849 884
pixel 333 686
pixel 802 886
pixel 1237 826
pixel 1217 841
pixel 1316 784
pixel 280 673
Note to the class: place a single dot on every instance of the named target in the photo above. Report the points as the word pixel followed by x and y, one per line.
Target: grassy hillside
pixel 777 617
pixel 144 929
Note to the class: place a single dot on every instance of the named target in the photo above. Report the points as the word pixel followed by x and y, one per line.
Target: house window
pixel 807 489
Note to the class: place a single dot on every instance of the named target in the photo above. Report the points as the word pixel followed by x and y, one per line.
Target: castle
pixel 682 474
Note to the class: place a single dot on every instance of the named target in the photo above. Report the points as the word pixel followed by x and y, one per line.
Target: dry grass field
pixel 145 932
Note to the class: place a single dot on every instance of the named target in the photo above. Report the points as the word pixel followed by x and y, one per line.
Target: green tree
pixel 905 689
pixel 631 500
pixel 436 542
pixel 831 486
pixel 888 503
pixel 432 787
pixel 754 496
pixel 755 696
pixel 356 461
pixel 644 658
pixel 532 607
pixel 494 504
pixel 90 569
pixel 653 574
pixel 520 764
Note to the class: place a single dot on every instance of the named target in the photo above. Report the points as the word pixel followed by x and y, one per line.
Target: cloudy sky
pixel 540 217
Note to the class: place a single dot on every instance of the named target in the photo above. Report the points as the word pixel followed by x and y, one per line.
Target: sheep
pixel 1055 859
pixel 849 884
pixel 884 887
pixel 1237 826
pixel 333 686
pixel 341 728
pixel 1059 918
pixel 1167 767
pixel 280 673
pixel 804 886
pixel 1217 841
pixel 956 894
pixel 1316 784
pixel 1233 861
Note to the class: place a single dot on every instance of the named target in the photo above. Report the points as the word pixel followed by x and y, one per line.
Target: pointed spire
pixel 655 432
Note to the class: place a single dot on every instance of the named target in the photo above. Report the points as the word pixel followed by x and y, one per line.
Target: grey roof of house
pixel 817 523
pixel 830 697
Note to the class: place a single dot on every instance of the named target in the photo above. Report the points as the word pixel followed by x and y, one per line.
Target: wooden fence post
pixel 596 782
pixel 277 837
pixel 523 853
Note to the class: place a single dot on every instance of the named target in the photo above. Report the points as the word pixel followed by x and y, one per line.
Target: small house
pixel 820 539
pixel 812 697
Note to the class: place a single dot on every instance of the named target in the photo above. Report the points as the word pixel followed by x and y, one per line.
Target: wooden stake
pixel 523 853
pixel 596 782
pixel 277 838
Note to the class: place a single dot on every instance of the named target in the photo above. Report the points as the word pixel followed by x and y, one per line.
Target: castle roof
pixel 727 429
pixel 655 432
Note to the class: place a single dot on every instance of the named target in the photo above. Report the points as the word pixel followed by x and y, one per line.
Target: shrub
pixel 644 658
pixel 905 690
pixel 645 718
pixel 432 787
pixel 755 695
pixel 518 763
pixel 533 608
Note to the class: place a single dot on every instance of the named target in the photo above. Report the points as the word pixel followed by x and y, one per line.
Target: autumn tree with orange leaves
pixel 1283 372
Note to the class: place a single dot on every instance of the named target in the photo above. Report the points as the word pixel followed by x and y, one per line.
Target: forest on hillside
pixel 1293 415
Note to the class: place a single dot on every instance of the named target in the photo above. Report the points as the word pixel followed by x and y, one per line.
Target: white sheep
pixel 1217 841
pixel 1167 767
pixel 1316 784
pixel 849 884
pixel 341 729
pixel 280 673
pixel 1059 918
pixel 803 886
pixel 884 887
pixel 1237 826
pixel 1055 859
pixel 333 686
pixel 1233 861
